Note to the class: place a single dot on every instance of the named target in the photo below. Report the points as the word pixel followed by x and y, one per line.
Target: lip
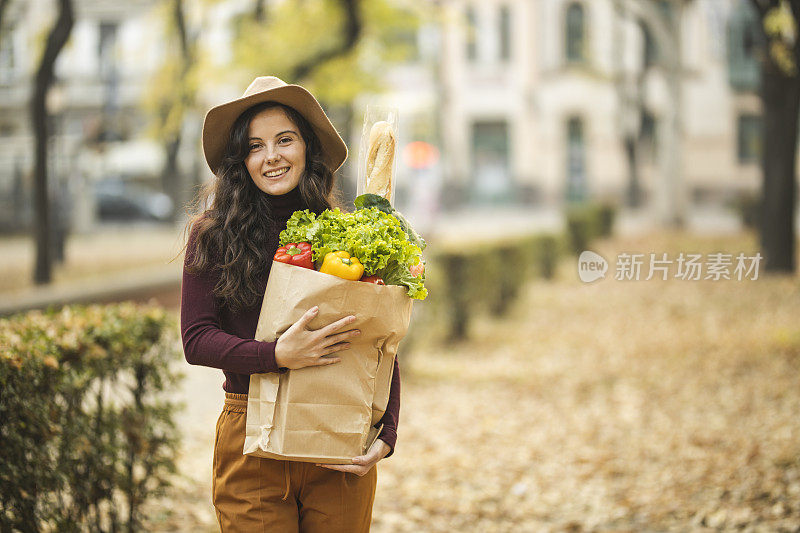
pixel 279 175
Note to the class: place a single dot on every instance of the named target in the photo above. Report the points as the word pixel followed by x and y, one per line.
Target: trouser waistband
pixel 235 402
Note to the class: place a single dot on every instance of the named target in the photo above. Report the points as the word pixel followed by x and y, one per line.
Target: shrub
pixel 483 277
pixel 587 222
pixel 88 434
pixel 605 214
pixel 457 290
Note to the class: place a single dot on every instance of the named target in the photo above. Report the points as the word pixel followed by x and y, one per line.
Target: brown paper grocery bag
pixel 326 413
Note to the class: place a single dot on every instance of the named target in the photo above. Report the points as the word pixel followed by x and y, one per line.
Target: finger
pixel 362 460
pixel 307 317
pixel 336 348
pixel 333 327
pixel 340 468
pixel 353 469
pixel 325 361
pixel 340 337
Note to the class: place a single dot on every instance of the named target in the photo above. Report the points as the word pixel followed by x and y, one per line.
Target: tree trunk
pixel 172 180
pixel 171 177
pixel 630 97
pixel 634 188
pixel 671 200
pixel 348 175
pixel 781 100
pixel 44 79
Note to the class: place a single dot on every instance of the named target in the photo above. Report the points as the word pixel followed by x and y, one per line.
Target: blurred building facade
pixel 539 96
pixel 96 123
pixel 528 101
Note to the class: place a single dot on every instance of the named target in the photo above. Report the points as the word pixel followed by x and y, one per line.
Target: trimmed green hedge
pixel 472 277
pixel 87 432
pixel 587 222
pixel 487 277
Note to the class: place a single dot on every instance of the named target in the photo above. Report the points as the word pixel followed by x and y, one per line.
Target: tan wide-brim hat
pixel 219 120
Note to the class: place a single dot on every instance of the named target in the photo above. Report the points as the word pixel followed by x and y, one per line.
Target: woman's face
pixel 277 157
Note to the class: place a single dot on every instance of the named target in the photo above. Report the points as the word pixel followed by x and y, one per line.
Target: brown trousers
pixel 254 494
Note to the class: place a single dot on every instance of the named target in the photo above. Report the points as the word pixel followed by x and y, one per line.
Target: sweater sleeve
pixel 390 418
pixel 204 341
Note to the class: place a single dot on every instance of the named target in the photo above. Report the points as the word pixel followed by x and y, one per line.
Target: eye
pixel 285 139
pixel 253 146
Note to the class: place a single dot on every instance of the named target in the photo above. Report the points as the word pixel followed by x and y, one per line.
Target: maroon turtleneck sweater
pixel 214 336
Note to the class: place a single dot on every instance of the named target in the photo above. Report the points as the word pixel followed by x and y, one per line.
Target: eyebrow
pixel 276 135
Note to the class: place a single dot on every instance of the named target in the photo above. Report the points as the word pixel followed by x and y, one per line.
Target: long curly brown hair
pixel 232 217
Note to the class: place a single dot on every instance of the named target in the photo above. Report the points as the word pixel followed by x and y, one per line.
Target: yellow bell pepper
pixel 342 265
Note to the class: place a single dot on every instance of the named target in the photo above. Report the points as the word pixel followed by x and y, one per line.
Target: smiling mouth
pixel 276 173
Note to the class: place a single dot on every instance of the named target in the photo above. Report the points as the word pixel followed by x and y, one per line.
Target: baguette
pixel 380 159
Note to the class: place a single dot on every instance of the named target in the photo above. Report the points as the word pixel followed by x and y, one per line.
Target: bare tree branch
pixel 351 32
pixel 180 22
pixel 260 12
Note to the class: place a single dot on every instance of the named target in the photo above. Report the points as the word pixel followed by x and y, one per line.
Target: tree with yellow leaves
pixel 335 48
pixel 780 96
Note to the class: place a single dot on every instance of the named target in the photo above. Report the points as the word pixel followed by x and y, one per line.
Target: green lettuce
pixel 378 239
pixel 397 274
pixel 379 202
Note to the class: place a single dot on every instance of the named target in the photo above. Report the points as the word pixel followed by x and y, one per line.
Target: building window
pixel 7 61
pixel 490 164
pixel 647 136
pixel 472 34
pixel 744 42
pixel 749 138
pixel 650 47
pixel 106 49
pixel 575 32
pixel 576 186
pixel 505 32
pixel 667 11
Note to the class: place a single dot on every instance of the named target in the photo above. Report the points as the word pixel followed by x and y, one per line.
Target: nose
pixel 272 154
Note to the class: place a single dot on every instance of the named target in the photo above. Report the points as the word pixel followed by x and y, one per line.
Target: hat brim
pixel 219 121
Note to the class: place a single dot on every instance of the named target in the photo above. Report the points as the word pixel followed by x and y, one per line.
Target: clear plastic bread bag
pixel 377 158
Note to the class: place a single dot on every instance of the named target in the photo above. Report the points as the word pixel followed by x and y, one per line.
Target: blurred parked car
pixel 124 201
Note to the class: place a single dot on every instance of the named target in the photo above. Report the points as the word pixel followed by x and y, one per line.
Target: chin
pixel 279 188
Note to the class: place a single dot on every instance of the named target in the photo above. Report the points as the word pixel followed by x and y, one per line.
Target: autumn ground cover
pixel 613 406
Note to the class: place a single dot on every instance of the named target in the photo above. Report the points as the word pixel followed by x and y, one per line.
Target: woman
pixel 273 151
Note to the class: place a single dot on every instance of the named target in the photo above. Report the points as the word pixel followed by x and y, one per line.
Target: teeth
pixel 276 172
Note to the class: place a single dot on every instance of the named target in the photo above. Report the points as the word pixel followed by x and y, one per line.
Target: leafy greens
pixel 375 200
pixel 377 238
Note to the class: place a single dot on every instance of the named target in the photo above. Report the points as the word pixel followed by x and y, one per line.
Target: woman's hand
pixel 363 463
pixel 300 347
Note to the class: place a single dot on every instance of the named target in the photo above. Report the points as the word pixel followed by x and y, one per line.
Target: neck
pixel 286 204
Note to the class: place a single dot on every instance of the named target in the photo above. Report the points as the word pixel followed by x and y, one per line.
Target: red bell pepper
pixel 377 280
pixel 417 270
pixel 295 253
